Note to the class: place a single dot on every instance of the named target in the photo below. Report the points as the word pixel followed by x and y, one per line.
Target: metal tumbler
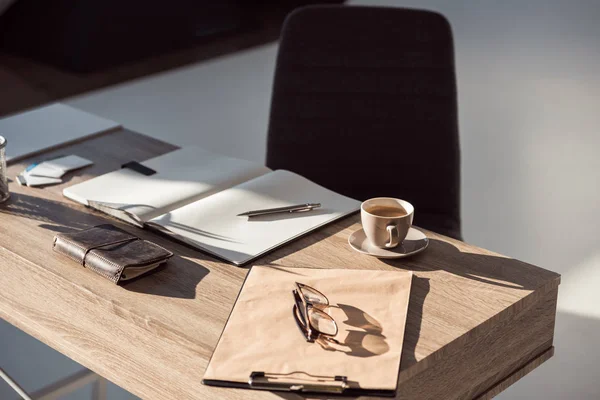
pixel 4 194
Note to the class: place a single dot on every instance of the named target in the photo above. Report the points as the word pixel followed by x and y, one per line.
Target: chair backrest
pixel 364 103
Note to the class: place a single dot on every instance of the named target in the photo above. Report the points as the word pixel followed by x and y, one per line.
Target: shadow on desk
pixel 412 332
pixel 53 215
pixel 167 282
pixel 178 278
pixel 489 269
pixel 492 270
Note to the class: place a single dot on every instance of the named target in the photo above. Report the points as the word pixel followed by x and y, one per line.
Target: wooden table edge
pixel 517 375
pixel 522 305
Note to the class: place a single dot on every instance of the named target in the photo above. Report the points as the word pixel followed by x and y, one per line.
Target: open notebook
pixel 195 196
pixel 262 347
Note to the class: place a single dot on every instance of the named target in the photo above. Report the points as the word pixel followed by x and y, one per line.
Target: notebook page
pixel 182 176
pixel 213 225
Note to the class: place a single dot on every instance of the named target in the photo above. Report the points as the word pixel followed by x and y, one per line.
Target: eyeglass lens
pixel 313 296
pixel 322 322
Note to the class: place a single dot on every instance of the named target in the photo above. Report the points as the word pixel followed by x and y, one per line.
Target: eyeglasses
pixel 312 321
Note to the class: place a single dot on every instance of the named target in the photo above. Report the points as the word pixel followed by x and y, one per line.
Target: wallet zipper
pixel 112 277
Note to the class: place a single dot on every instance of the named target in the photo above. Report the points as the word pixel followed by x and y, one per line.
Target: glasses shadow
pixel 367 340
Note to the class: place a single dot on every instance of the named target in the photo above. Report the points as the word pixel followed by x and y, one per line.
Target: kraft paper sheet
pixel 369 307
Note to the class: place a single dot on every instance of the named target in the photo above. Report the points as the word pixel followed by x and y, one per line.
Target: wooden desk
pixel 477 321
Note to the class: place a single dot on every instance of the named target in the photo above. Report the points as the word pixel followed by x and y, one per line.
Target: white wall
pixel 529 96
pixel 222 104
pixel 529 91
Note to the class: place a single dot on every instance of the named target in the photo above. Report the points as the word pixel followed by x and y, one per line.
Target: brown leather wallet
pixel 111 252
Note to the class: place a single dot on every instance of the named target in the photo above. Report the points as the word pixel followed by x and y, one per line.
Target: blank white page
pixel 212 223
pixel 47 127
pixel 182 176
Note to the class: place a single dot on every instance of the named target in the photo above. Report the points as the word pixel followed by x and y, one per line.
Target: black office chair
pixel 364 103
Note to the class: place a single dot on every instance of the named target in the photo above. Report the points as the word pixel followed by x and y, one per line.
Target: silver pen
pixel 289 209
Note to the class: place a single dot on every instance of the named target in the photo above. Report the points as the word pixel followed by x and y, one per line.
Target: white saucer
pixel 415 242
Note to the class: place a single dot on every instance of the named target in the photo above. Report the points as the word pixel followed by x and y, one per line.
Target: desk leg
pixel 67 385
pixel 14 385
pixel 99 389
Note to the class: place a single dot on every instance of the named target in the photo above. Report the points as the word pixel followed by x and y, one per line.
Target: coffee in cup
pixel 386 220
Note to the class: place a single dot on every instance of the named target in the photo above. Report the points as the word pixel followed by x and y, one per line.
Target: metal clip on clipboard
pixel 312 383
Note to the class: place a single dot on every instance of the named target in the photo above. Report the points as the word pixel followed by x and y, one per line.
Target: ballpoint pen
pixel 288 209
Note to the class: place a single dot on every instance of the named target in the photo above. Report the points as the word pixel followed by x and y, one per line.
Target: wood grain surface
pixel 475 318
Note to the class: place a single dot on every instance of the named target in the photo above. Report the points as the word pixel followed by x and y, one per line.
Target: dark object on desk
pixel 111 252
pixel 137 167
pixel 364 103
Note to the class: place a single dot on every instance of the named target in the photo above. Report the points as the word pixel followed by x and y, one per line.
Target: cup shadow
pixel 443 256
pixel 489 269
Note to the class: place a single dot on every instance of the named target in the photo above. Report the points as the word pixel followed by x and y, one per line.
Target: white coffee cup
pixel 386 220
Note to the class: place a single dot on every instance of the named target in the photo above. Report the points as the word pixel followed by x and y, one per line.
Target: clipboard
pixel 262 348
